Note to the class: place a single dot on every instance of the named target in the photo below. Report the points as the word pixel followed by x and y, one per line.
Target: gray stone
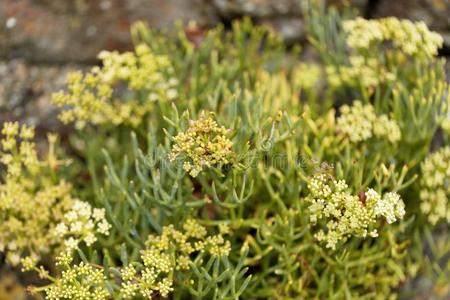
pixel 25 91
pixel 291 28
pixel 257 8
pixel 60 31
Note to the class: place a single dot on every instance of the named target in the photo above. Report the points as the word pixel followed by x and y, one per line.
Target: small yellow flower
pixel 359 123
pixel 435 186
pixel 167 253
pixel 27 133
pixel 413 38
pixel 203 144
pixel 90 97
pixel 346 215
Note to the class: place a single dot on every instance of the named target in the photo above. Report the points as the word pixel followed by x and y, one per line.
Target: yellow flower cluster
pixel 435 186
pixel 366 71
pixel 27 222
pixel 91 97
pixel 204 144
pixel 365 68
pixel 412 38
pixel 359 123
pixel 306 76
pixel 82 223
pixel 18 156
pixel 29 208
pixel 38 215
pixel 82 281
pixel 164 254
pixel 346 215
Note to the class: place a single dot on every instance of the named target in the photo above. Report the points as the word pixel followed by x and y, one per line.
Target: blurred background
pixel 42 40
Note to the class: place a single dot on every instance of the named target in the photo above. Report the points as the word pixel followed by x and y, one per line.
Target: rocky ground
pixel 42 40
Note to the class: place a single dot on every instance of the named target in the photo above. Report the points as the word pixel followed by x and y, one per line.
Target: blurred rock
pixel 291 28
pixel 283 15
pixel 76 30
pixel 25 92
pixel 257 8
pixel 271 8
pixel 10 288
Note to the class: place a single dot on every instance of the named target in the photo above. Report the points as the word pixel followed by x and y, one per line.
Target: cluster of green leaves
pixel 283 122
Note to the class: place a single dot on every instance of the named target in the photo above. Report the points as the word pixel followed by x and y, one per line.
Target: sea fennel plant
pixel 223 167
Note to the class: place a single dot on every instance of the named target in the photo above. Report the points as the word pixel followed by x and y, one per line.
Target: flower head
pixel 170 252
pixel 203 144
pixel 81 281
pixel 344 214
pixel 435 186
pixel 90 97
pixel 412 38
pixel 82 223
pixel 359 123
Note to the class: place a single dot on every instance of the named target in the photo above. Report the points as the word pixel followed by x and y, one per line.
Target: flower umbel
pixel 82 281
pixel 435 186
pixel 82 223
pixel 90 97
pixel 345 215
pixel 413 38
pixel 170 252
pixel 31 204
pixel 203 144
pixel 18 156
pixel 359 122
